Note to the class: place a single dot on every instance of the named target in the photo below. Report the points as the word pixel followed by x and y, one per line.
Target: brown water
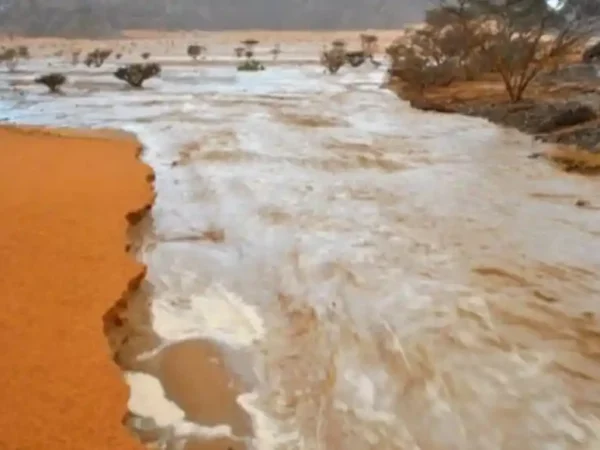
pixel 383 277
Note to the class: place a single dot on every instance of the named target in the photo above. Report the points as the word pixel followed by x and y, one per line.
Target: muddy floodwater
pixel 379 277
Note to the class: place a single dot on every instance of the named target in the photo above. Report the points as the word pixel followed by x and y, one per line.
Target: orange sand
pixel 64 198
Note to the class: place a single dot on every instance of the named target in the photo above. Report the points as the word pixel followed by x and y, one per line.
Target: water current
pixel 395 279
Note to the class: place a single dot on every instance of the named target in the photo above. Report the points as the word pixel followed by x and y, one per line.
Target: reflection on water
pixel 399 279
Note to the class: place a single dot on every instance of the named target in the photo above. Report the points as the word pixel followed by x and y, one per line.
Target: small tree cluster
pixel 136 74
pixel 97 57
pixel 515 39
pixel 52 81
pixel 195 51
pixel 337 55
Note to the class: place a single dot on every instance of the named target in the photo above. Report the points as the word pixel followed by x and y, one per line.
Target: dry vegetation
pixel 338 55
pixel 506 60
pixel 11 56
pixel 513 39
pixel 53 81
pixel 97 57
pixel 136 74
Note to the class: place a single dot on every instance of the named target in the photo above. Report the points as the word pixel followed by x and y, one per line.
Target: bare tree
pixel 528 40
pixel 516 39
pixel 52 81
pixel 136 74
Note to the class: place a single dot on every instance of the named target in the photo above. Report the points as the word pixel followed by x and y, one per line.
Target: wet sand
pixel 68 197
pixel 64 198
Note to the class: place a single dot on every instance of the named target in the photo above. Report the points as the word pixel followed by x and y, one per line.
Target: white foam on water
pixel 147 399
pixel 215 314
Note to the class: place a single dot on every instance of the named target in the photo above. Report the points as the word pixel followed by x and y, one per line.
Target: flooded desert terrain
pixel 374 277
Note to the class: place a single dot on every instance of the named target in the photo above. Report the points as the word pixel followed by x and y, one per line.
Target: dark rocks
pixel 428 105
pixel 587 137
pixel 591 54
pixel 569 115
pixel 535 155
pixel 573 122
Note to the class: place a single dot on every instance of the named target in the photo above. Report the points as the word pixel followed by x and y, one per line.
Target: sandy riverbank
pixel 64 198
pixel 68 199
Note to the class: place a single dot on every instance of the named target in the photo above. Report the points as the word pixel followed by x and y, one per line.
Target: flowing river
pixel 383 278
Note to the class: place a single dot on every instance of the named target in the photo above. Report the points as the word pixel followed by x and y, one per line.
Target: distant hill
pixel 105 17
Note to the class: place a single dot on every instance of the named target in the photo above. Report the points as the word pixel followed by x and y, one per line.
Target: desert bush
pixel 516 39
pixel 146 55
pixel 251 65
pixel 334 58
pixel 239 51
pixel 417 71
pixel 10 57
pixel 136 74
pixel 97 57
pixel 23 52
pixel 368 44
pixel 75 56
pixel 276 51
pixel 118 56
pixel 53 81
pixel 195 51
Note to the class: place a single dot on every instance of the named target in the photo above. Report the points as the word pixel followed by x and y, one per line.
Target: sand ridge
pixel 64 197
